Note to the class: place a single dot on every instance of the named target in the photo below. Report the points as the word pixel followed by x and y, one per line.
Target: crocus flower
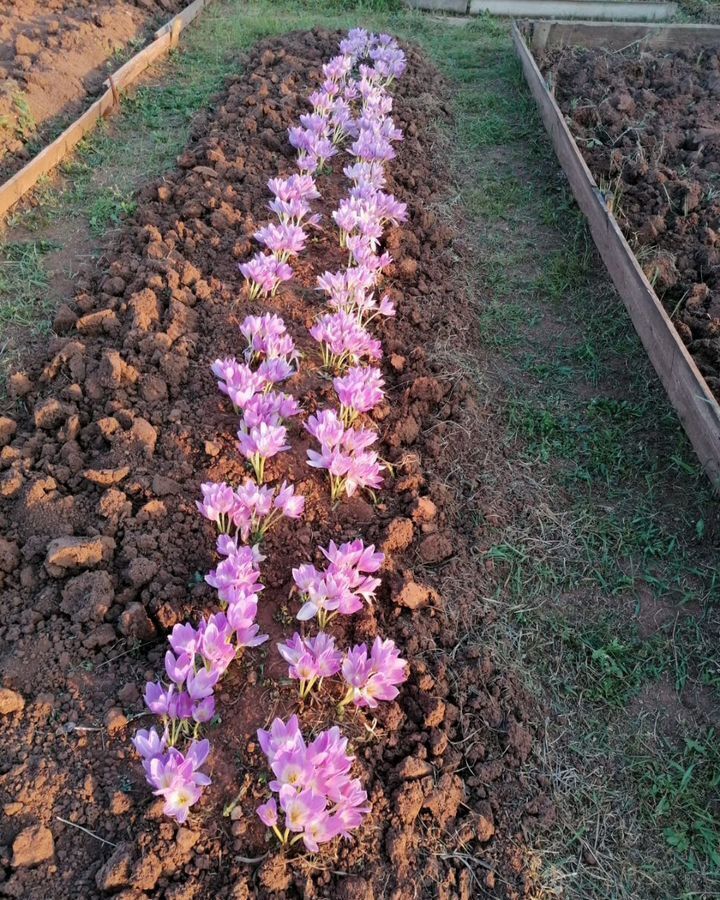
pixel 359 390
pixel 318 799
pixel 283 240
pixel 264 273
pixel 373 677
pixel 260 443
pixel 343 452
pixel 343 586
pixel 310 659
pixel 344 340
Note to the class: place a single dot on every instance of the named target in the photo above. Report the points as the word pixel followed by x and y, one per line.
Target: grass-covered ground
pixel 601 527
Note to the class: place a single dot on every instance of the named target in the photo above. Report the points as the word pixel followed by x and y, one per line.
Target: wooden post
pixel 114 90
pixel 175 33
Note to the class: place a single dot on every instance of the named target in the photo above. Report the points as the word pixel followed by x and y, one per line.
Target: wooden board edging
pixel 590 9
pixel 49 157
pixel 540 34
pixel 645 10
pixel 687 390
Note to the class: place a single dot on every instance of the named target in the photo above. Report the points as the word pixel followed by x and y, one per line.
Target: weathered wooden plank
pixel 695 405
pixel 183 18
pixel 615 37
pixel 134 67
pixel 45 161
pixel 637 10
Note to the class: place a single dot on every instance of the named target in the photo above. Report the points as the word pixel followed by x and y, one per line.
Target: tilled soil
pixel 648 126
pixel 103 550
pixel 54 53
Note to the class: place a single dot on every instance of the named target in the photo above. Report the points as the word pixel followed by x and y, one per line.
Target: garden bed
pixel 648 125
pixel 119 425
pixel 52 59
pixel 643 117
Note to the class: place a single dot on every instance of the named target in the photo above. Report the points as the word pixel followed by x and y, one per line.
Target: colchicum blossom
pixel 358 391
pixel 283 240
pixel 238 381
pixel 344 453
pixel 267 339
pixel 251 510
pixel 264 273
pixel 343 587
pixel 317 799
pixel 176 777
pixel 261 442
pixel 344 341
pixel 311 659
pixel 373 677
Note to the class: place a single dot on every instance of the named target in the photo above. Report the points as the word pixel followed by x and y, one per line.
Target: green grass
pixel 607 506
pixel 23 282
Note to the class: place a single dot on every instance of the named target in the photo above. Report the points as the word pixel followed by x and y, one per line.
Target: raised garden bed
pixel 104 550
pixel 632 112
pixel 55 55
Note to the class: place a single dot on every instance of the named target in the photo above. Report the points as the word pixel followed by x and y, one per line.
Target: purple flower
pixel 344 340
pixel 264 273
pixel 260 443
pixel 318 799
pixel 217 504
pixel 268 813
pixel 373 677
pixel 359 390
pixel 158 698
pixel 176 778
pixel 238 381
pixel 283 240
pixel 343 452
pixel 310 659
pixel 343 586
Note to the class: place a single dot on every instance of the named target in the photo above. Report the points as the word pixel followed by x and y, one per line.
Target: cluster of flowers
pixel 249 510
pixel 268 269
pixel 317 798
pixel 270 358
pixel 303 774
pixel 197 659
pixel 352 294
pixel 342 588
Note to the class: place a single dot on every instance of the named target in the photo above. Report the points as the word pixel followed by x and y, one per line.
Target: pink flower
pixel 260 443
pixel 264 273
pixel 318 799
pixel 343 452
pixel 343 587
pixel 218 501
pixel 358 391
pixel 268 813
pixel 344 340
pixel 310 659
pixel 238 381
pixel 283 240
pixel 374 677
